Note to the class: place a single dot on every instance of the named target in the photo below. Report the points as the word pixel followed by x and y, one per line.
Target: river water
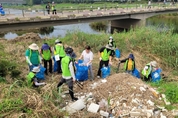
pixel 85 27
pixel 59 31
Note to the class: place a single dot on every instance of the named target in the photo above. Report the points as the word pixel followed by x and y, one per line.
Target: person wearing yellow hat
pixel 32 56
pixel 148 69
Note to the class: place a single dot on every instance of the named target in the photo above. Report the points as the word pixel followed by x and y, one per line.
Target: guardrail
pixel 64 10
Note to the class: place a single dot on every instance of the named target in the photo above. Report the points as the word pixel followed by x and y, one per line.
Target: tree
pixel 29 2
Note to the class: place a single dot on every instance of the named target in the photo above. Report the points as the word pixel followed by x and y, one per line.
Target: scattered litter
pixel 103 113
pixel 165 100
pixel 93 108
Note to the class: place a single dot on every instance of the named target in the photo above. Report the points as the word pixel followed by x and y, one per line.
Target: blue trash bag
pixel 55 65
pixel 117 53
pixel 136 73
pixel 105 71
pixel 81 71
pixel 156 75
pixel 41 75
pixel 2 13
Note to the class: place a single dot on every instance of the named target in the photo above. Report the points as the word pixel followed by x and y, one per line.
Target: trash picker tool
pixel 79 84
pixel 117 70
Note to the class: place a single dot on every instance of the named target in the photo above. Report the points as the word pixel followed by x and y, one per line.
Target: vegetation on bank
pixel 81 6
pixel 148 41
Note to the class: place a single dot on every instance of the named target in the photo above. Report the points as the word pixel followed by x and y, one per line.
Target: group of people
pixel 66 58
pixel 51 7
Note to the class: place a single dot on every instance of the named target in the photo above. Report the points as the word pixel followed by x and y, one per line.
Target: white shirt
pixel 87 56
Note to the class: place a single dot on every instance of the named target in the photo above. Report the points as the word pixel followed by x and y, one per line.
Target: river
pixel 56 31
pixel 59 31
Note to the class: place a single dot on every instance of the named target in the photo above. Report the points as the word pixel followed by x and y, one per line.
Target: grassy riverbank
pixel 70 6
pixel 145 43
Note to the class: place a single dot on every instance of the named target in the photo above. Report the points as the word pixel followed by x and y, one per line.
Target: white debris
pixel 162 116
pixel 150 103
pixel 103 80
pixel 142 89
pixel 103 113
pixel 93 108
pixel 135 114
pixel 165 100
pixel 76 106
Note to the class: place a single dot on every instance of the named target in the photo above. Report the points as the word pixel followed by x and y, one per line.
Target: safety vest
pixel 148 71
pixel 59 50
pixel 126 65
pixel 65 66
pixel 31 55
pixel 30 77
pixel 46 54
pixel 105 55
pixel 53 7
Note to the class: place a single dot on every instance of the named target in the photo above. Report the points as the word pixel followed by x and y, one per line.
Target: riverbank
pixel 146 44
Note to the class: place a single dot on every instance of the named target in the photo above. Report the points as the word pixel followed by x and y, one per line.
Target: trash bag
pixel 105 71
pixel 156 75
pixel 136 73
pixel 41 74
pixel 55 65
pixel 81 71
pixel 117 53
pixel 2 12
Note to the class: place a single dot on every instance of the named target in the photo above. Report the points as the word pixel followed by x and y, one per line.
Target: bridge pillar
pixel 127 23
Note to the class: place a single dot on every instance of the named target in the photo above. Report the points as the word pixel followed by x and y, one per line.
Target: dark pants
pixel 46 65
pixel 48 11
pixel 144 78
pixel 59 70
pixel 106 63
pixel 54 12
pixel 69 82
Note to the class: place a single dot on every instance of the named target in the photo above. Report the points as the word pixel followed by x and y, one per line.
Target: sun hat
pixel 36 69
pixel 57 41
pixel 110 37
pixel 45 47
pixel 153 63
pixel 33 46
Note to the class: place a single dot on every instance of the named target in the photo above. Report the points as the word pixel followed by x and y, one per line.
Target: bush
pixel 7 67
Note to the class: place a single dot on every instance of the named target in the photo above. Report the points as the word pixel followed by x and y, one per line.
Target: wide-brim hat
pixel 57 41
pixel 45 47
pixel 36 69
pixel 110 37
pixel 33 46
pixel 153 63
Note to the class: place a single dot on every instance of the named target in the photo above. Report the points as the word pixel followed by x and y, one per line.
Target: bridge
pixel 118 17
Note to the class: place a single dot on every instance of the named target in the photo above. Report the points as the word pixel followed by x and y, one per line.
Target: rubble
pixel 122 96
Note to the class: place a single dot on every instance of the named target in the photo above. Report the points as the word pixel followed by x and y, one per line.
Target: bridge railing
pixel 87 10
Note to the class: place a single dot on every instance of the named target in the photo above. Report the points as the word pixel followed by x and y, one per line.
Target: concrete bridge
pixel 120 18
